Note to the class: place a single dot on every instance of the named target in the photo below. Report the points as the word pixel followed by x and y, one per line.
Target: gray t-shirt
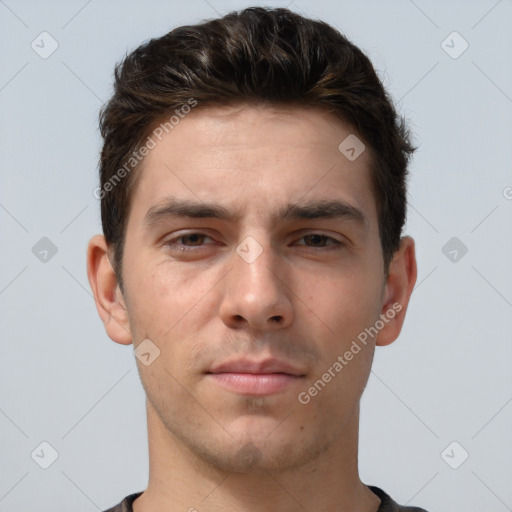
pixel 386 505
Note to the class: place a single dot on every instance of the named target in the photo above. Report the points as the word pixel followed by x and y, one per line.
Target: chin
pixel 262 448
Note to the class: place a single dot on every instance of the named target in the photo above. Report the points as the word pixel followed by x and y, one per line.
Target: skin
pixel 304 300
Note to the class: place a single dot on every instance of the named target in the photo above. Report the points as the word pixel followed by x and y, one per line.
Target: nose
pixel 256 293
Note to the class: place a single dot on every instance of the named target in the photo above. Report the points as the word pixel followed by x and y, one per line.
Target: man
pixel 252 198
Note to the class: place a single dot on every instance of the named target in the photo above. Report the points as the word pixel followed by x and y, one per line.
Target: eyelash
pixel 335 244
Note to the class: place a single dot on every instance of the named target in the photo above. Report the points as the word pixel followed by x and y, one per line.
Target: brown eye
pixel 194 238
pixel 192 241
pixel 317 240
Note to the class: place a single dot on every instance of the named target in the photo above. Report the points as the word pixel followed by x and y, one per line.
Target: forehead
pixel 254 127
pixel 241 155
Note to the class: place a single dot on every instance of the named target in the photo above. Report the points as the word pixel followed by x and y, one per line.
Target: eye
pixel 319 241
pixel 187 241
pixel 195 241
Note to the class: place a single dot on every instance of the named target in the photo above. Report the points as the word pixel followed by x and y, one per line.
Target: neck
pixel 179 480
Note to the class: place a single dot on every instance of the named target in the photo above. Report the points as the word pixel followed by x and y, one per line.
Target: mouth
pixel 246 377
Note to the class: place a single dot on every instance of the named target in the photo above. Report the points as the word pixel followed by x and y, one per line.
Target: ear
pixel 107 294
pixel 397 291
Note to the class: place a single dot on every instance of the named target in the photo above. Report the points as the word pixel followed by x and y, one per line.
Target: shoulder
pixel 389 505
pixel 126 504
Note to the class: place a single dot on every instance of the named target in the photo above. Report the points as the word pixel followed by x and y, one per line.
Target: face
pixel 252 260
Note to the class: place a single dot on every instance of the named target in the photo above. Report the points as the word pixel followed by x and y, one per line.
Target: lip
pixel 257 367
pixel 255 377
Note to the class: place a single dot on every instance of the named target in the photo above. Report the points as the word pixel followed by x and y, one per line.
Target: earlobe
pixel 109 300
pixel 399 285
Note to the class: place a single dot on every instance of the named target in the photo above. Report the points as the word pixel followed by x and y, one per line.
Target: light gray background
pixel 448 377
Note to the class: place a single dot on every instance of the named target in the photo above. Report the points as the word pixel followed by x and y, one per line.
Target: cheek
pixel 345 303
pixel 172 307
pixel 160 294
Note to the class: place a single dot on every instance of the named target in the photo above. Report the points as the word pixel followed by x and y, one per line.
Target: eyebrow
pixel 320 209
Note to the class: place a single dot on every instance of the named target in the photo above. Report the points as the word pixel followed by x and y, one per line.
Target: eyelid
pixel 182 234
pixel 337 237
pixel 331 241
pixel 327 237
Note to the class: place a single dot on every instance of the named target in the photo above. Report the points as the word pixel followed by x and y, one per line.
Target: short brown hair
pixel 257 55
